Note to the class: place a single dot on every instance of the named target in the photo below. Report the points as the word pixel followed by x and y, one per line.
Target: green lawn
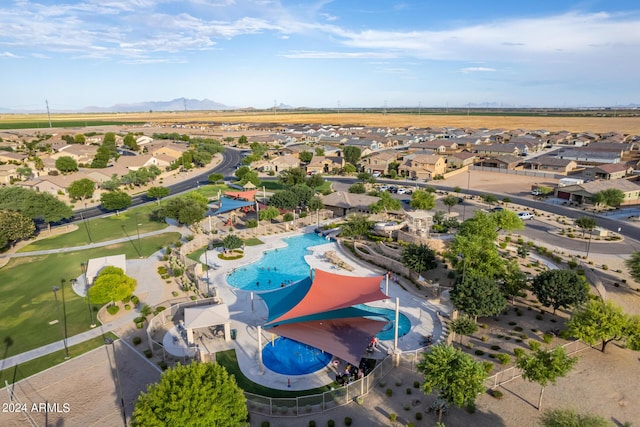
pixel 103 229
pixel 229 360
pixel 34 366
pixel 210 191
pixel 26 296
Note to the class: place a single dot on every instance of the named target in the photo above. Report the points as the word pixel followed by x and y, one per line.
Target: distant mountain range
pixel 178 104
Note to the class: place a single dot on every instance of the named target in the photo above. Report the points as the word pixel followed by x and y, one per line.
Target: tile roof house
pixel 325 164
pixel 551 164
pixel 8 173
pixel 437 146
pixel 277 164
pixel 10 156
pixel 423 166
pixel 78 152
pixel 379 161
pixel 461 159
pixel 505 161
pixel 497 150
pixel 342 203
pixel 608 171
pixel 582 193
pixel 586 157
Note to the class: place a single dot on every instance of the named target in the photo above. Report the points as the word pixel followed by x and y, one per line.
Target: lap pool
pixel 288 357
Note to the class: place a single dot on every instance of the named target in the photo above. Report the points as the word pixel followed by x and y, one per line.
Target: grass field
pixel 553 121
pixel 25 370
pixel 26 297
pixel 103 229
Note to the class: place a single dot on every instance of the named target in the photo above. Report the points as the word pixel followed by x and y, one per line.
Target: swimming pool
pixel 288 357
pixel 404 324
pixel 278 266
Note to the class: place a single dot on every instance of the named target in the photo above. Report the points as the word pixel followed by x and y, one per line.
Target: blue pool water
pixel 278 266
pixel 288 357
pixel 404 324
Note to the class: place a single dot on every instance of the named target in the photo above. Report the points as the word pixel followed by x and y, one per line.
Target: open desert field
pixel 628 125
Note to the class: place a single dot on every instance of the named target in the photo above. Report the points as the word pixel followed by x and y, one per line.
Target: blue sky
pixel 320 53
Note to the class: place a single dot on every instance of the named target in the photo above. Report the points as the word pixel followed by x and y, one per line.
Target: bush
pixel 496 393
pixel 418 416
pixel 347 421
pixel 137 340
pixel 174 293
pixel 148 353
pixel 331 423
pixel 518 329
pixel 127 307
pixel 393 417
pixel 389 392
pixel 312 423
pixel 416 384
pixel 139 325
pixel 479 352
pixel 534 345
pixel 470 407
pixel 488 367
pixel 162 365
pixel 495 347
pixel 135 300
pixel 409 391
pixel 251 223
pixel 605 267
pixel 265 424
pixel 113 309
pixel 547 338
pixel 518 352
pixel 503 358
pixel 398 383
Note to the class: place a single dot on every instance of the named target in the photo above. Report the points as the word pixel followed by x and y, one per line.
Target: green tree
pixel 315 181
pixel 269 213
pixel 545 366
pixel 506 220
pixel 157 193
pixel 455 375
pixel 356 226
pixel 187 209
pixel 357 188
pixel 15 226
pixel 243 140
pixel 288 217
pixel 478 296
pixel 351 154
pixel 463 325
pixel 231 242
pixel 419 258
pixel 81 189
pixel 586 223
pixel 563 417
pixel 422 200
pixel 292 176
pixel 559 288
pixel 366 177
pixel 598 321
pixel 24 172
pixel 66 164
pixel 129 141
pixel 252 177
pixel 315 203
pixel 303 193
pixel 241 172
pixel 610 197
pixel 111 184
pixel 214 178
pixel 514 281
pixel 385 203
pixel 111 285
pixel 306 156
pixel 450 201
pixel 284 200
pixel 632 332
pixel 489 198
pixel 198 394
pixel 115 200
pixel 633 264
pixel 79 138
pixel 349 168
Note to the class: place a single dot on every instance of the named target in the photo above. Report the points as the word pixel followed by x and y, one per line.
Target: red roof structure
pixel 334 291
pixel 245 195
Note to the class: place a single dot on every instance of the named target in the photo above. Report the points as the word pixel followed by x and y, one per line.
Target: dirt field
pixel 629 125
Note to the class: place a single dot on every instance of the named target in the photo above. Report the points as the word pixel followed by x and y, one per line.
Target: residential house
pixel 342 203
pixel 582 193
pixel 506 161
pixel 551 164
pixel 608 171
pixel 497 150
pixel 366 146
pixel 459 160
pixel 437 146
pixel 277 164
pixel 379 161
pixel 82 154
pixel 167 148
pixel 325 164
pixel 8 173
pixel 12 157
pixel 586 157
pixel 423 166
pixel 293 150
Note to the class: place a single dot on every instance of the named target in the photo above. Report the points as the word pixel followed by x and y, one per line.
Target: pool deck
pixel 246 314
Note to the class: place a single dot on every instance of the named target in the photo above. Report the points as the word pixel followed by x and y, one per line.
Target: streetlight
pixel 86 226
pixel 115 362
pixel 464 206
pixel 129 238
pixel 138 230
pixel 83 267
pixel 63 328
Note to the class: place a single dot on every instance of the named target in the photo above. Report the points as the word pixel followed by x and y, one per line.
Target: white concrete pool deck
pixel 246 314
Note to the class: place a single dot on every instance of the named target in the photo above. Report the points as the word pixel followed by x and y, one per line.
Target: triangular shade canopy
pixel 245 195
pixel 227 205
pixel 344 338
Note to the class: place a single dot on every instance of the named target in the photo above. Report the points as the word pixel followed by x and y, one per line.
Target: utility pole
pixel 48 113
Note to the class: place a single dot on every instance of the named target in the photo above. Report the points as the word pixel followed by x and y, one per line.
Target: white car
pixel 376 174
pixel 402 190
pixel 526 215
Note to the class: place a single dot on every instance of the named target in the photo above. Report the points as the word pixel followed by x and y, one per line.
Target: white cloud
pixel 338 55
pixel 8 55
pixel 478 70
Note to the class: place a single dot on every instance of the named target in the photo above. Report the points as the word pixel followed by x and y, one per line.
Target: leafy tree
pixel 252 177
pixel 559 288
pixel 129 141
pixel 198 394
pixel 303 193
pixel 24 172
pixel 288 217
pixel 349 168
pixel 292 176
pixel 463 325
pixel 157 193
pixel 633 264
pixel 457 189
pixel 269 213
pixel 79 138
pixel 34 204
pixel 231 242
pixel 66 164
pixel 385 203
pixel 115 200
pixel 456 376
pixel 632 332
pixel 610 197
pixel 489 198
pixel 598 321
pixel 319 151
pixel 187 209
pixel 506 220
pixel 422 200
pixel 315 203
pixel 352 154
pixel 366 177
pixel 241 172
pixel 478 296
pixel 356 226
pixel 513 282
pixel 450 201
pixel 315 181
pixel 243 140
pixel 357 188
pixel 306 156
pixel 111 285
pixel 15 226
pixel 81 189
pixel 561 417
pixel 215 178
pixel 419 258
pixel 111 184
pixel 545 366
pixel 586 223
pixel 284 200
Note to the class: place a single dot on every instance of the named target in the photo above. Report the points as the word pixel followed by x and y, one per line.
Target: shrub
pixel 393 417
pixel 135 300
pixel 312 423
pixel 127 307
pixel 470 407
pixel 409 391
pixel 137 340
pixel 406 406
pixel 496 393
pixel 382 383
pixel 174 293
pixel 479 352
pixel 605 267
pixel 360 400
pixel 518 329
pixel 331 423
pixel 416 384
pixel 518 352
pixel 148 353
pixel 534 345
pixel 389 392
pixel 113 309
pixel 418 416
pixel 347 421
pixel 265 424
pixel 495 347
pixel 163 365
pixel 488 367
pixel 547 338
pixel 484 338
pixel 503 358
pixel 398 383
pixel 139 325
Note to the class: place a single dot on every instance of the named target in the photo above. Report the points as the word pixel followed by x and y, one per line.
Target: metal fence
pixel 538 174
pixel 316 403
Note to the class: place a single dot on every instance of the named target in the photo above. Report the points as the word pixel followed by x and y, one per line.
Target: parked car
pixel 536 193
pixel 526 215
pixel 376 174
pixel 402 191
pixel 496 209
